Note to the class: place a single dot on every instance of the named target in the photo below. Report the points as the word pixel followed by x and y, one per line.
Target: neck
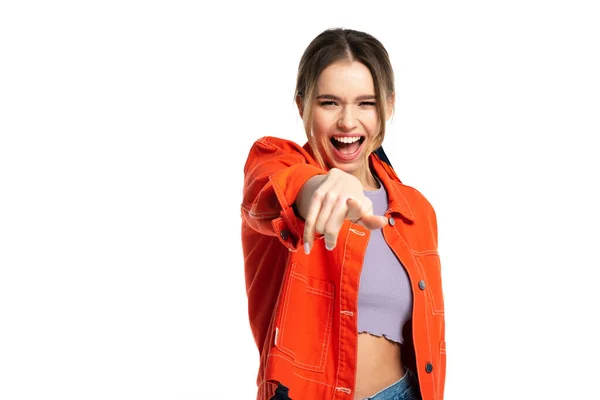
pixel 367 179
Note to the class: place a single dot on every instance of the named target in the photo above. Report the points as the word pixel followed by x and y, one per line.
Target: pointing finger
pixel 364 217
pixel 373 221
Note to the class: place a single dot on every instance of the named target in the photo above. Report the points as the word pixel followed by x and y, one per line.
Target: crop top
pixel 385 295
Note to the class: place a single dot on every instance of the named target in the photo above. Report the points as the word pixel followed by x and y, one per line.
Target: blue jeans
pixel 407 388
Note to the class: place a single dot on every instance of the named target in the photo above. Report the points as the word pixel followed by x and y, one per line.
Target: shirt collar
pixel 393 186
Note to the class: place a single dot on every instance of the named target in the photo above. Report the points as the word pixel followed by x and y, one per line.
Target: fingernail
pixel 329 248
pixel 306 248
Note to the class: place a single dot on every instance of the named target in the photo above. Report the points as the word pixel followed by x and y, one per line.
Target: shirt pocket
pixel 303 328
pixel 429 263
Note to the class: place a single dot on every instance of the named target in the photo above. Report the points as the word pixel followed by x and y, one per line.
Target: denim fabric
pixel 406 388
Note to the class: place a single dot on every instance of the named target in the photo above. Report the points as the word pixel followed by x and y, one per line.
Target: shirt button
pixel 422 284
pixel 392 221
pixel 284 234
pixel 428 368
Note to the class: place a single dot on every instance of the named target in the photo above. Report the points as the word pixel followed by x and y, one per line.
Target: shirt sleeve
pixel 274 173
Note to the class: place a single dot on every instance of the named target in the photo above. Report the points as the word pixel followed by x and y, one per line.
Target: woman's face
pixel 345 116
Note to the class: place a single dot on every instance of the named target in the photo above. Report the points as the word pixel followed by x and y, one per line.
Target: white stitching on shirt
pixel 356 231
pixel 345 390
pixel 337 374
pixel 426 315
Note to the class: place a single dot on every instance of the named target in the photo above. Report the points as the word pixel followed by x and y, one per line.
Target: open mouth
pixel 347 145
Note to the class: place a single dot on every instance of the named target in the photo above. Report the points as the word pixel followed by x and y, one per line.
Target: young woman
pixel 342 271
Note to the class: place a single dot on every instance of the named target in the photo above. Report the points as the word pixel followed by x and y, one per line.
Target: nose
pixel 347 121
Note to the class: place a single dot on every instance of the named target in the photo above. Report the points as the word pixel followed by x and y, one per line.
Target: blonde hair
pixel 335 45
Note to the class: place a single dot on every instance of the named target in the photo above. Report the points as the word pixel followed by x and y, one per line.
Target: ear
pixel 390 106
pixel 300 105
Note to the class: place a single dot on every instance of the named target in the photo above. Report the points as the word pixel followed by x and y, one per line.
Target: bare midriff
pixel 379 365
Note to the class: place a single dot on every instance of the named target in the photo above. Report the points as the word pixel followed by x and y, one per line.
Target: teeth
pixel 345 139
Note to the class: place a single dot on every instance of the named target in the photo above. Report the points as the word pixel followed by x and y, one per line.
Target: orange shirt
pixel 303 308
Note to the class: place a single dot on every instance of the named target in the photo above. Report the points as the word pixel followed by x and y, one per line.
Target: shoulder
pixel 277 143
pixel 423 211
pixel 275 149
pixel 416 197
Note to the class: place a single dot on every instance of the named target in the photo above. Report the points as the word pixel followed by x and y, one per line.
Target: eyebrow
pixel 359 98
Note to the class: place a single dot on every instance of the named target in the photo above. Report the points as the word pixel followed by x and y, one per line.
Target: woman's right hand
pixel 325 201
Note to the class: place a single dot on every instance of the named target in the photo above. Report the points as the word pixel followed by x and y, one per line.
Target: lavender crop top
pixel 385 296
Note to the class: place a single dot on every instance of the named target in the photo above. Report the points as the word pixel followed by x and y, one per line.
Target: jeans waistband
pixel 406 386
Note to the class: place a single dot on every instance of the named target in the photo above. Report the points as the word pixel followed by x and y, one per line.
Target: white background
pixel 124 130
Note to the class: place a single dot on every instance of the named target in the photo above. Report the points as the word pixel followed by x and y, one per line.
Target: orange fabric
pixel 303 308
